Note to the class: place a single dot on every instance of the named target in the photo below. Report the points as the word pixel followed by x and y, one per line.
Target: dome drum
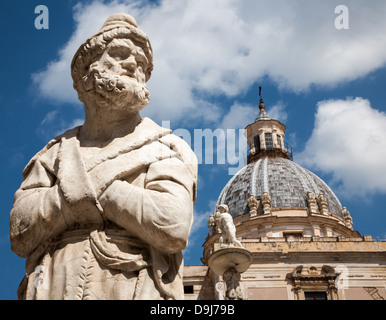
pixel 294 223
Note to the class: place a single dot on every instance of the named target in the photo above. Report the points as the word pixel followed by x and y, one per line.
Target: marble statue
pixel 347 218
pixel 322 203
pixel 105 209
pixel 311 203
pixel 253 205
pixel 266 202
pixel 212 225
pixel 233 289
pixel 227 227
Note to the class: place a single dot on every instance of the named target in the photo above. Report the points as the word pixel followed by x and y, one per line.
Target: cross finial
pixel 261 106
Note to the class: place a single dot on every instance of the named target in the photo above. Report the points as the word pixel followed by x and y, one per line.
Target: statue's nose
pixel 129 63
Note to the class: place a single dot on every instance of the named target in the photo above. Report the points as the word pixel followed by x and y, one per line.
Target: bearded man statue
pixel 105 209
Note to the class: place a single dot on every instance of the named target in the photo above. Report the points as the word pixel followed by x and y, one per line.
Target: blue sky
pixel 326 85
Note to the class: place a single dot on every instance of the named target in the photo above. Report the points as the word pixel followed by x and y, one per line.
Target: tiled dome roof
pixel 286 182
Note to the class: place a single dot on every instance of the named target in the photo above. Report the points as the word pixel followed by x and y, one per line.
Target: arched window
pixel 257 143
pixel 268 141
pixel 278 138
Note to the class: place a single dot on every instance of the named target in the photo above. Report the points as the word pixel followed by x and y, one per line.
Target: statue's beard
pixel 117 91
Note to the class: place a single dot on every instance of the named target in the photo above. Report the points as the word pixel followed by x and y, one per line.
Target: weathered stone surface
pixel 105 209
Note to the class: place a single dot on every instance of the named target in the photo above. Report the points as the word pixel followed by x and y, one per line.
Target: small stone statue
pixel 322 203
pixel 312 204
pixel 266 202
pixel 232 280
pixel 253 204
pixel 212 225
pixel 227 227
pixel 347 218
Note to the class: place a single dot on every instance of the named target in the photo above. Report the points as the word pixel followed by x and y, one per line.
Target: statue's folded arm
pixel 161 213
pixel 37 211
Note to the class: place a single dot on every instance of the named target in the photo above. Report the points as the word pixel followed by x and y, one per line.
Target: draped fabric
pixel 109 227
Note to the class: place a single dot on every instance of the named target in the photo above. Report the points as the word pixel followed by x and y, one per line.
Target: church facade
pixel 300 236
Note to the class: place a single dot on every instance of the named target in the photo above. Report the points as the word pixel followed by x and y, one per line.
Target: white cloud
pixel 239 116
pixel 16 158
pixel 349 141
pixel 208 47
pixel 54 124
pixel 198 231
pixel 200 221
pixel 278 112
pixel 200 225
pixel 55 81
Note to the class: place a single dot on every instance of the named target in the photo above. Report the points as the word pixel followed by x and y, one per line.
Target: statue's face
pixel 118 78
pixel 122 57
pixel 223 208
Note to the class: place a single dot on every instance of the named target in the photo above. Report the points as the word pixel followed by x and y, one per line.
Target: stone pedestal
pixel 230 262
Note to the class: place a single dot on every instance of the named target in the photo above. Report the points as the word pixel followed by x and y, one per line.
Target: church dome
pixel 276 192
pixel 286 182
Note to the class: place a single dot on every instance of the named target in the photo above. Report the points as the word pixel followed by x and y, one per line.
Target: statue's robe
pixel 110 227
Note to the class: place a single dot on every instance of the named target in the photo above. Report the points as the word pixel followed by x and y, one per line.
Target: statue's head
pixel 114 65
pixel 223 208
